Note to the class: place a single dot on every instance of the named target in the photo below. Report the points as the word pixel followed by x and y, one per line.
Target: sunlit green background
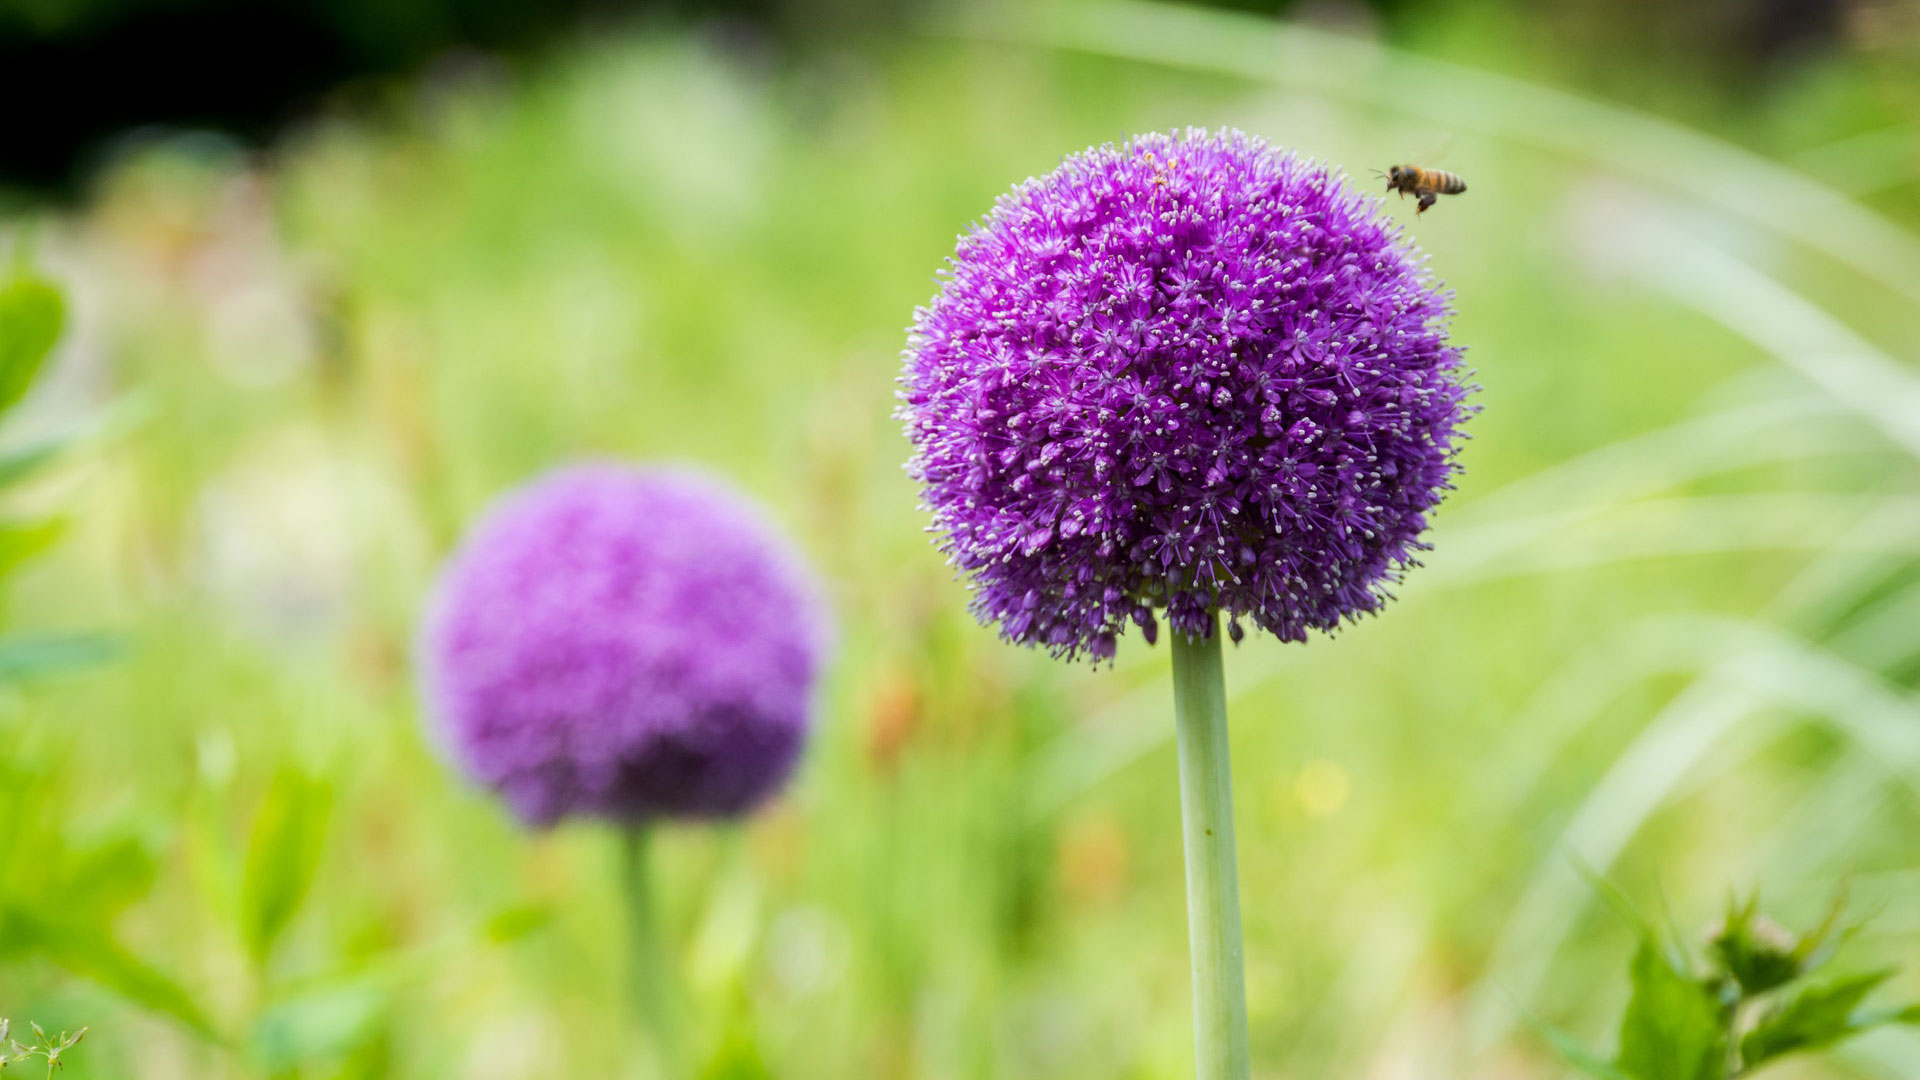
pixel 1670 630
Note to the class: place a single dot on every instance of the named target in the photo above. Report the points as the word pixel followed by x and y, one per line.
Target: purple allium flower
pixel 1193 372
pixel 625 644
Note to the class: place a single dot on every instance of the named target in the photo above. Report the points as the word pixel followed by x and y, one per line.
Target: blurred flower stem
pixel 1213 882
pixel 655 988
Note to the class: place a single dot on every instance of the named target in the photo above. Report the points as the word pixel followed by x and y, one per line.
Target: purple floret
pixel 624 644
pixel 1191 373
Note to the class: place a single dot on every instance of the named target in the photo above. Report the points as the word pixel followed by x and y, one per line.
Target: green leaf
pixel 283 854
pixel 737 1057
pixel 31 315
pixel 18 464
pixel 107 876
pixel 512 924
pixel 1815 1017
pixel 1576 1055
pixel 123 416
pixel 91 953
pixel 1672 1027
pixel 22 540
pixel 1613 895
pixel 319 1025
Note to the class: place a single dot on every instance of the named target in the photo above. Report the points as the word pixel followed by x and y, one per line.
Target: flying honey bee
pixel 1428 184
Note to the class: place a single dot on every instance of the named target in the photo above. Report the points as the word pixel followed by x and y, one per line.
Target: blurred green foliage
pixel 283 854
pixel 31 312
pixel 60 889
pixel 32 316
pixel 1670 628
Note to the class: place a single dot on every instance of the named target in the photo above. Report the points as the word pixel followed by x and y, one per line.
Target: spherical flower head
pixel 1191 373
pixel 624 644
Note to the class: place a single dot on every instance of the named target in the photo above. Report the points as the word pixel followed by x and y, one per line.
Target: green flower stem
pixel 1213 881
pixel 655 989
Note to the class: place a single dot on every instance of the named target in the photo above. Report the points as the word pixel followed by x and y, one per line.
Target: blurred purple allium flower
pixel 626 644
pixel 1193 372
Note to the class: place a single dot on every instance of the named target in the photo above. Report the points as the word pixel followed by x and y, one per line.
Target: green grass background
pixel 1670 628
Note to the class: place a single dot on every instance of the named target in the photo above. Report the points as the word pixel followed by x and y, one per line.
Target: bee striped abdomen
pixel 1428 184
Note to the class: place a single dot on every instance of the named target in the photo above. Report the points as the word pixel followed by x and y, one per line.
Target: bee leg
pixel 1425 201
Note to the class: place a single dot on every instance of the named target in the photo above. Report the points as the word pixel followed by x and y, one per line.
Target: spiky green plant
pixel 48 1048
pixel 1750 1001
